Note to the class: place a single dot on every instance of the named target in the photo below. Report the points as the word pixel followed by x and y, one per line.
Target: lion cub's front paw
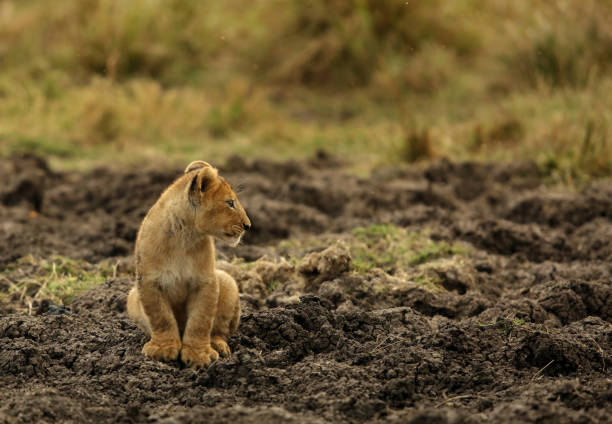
pixel 164 351
pixel 221 346
pixel 198 356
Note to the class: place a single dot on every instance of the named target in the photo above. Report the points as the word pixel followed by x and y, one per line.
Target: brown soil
pixel 521 333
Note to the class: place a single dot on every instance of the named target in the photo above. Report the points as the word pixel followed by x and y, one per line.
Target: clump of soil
pixel 517 330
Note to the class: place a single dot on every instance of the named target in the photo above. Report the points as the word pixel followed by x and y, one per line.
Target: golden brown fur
pixel 180 300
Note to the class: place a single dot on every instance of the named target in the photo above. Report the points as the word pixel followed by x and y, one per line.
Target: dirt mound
pixel 519 329
pixel 303 360
pixel 96 215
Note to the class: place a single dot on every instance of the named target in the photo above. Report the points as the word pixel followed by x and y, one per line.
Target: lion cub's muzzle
pixel 236 232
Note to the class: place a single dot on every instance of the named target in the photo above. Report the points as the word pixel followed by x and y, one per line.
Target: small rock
pixel 326 265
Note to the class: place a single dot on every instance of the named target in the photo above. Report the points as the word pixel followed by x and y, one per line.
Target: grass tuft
pixel 391 248
pixel 417 146
pixel 58 279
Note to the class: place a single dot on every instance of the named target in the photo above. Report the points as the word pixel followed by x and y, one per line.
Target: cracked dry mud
pixel 521 332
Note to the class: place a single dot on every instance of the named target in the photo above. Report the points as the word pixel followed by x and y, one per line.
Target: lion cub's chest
pixel 178 276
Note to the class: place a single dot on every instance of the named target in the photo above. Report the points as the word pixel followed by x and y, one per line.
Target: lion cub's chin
pixel 232 241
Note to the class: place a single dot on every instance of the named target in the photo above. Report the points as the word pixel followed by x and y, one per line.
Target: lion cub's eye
pixel 230 203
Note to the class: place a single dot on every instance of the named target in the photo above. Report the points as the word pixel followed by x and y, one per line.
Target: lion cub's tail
pixel 136 311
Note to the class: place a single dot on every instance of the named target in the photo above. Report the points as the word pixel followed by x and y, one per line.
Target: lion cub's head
pixel 219 213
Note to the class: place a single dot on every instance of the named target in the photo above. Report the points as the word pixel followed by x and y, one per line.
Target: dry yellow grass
pixel 107 80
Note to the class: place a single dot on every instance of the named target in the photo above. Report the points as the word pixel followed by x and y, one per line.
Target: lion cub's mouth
pixel 233 239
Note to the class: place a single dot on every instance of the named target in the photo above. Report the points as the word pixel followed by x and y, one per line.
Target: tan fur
pixel 180 300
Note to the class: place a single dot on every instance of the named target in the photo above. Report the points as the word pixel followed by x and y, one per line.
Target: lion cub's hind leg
pixel 228 313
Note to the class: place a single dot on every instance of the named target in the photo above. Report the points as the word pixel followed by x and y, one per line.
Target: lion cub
pixel 180 300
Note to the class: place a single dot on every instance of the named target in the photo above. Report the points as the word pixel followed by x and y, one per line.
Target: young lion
pixel 180 300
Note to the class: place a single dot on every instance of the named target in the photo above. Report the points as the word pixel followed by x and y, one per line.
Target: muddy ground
pixel 520 330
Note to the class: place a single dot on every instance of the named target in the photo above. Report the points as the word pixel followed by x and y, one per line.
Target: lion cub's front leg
pixel 165 342
pixel 201 312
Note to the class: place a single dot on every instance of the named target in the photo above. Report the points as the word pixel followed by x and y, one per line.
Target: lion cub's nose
pixel 246 226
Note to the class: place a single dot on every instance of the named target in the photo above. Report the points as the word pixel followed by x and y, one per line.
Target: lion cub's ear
pixel 204 179
pixel 197 164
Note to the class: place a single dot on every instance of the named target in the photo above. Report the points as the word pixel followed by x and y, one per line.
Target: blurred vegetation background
pixel 375 81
